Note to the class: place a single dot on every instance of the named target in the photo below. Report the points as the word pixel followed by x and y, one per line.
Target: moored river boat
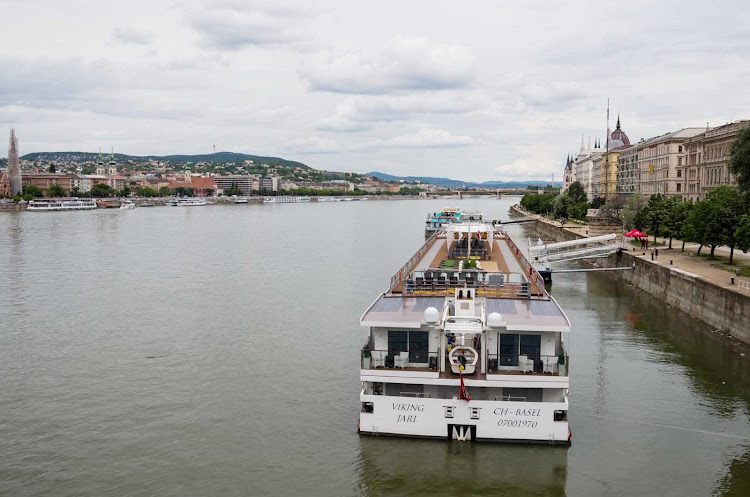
pixel 466 344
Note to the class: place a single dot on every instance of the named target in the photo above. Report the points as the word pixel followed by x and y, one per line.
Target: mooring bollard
pixel 732 283
pixel 670 262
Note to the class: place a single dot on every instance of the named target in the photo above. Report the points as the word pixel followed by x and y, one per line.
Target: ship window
pixel 449 411
pixel 368 407
pixel 474 412
pixel 561 415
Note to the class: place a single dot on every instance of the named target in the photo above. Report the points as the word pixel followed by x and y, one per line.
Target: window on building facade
pixel 679 187
pixel 679 173
pixel 679 149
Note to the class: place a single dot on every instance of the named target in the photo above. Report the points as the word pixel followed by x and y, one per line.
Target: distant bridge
pixel 484 193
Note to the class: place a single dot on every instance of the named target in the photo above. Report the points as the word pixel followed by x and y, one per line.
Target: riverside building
pixel 659 160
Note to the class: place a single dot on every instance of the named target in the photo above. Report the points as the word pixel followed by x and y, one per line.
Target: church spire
pixel 618 121
pixel 581 142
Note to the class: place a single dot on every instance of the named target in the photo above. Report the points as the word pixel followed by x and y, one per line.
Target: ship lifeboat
pixel 463 359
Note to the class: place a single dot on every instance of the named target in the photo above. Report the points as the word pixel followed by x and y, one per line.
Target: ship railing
pixel 534 278
pixel 398 359
pixel 402 273
pixel 486 284
pixel 554 365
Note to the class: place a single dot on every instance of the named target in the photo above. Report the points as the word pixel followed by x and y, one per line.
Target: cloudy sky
pixel 472 90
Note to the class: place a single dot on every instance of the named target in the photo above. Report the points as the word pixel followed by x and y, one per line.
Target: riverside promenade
pixel 693 284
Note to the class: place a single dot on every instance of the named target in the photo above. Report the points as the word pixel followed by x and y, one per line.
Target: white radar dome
pixel 495 320
pixel 431 315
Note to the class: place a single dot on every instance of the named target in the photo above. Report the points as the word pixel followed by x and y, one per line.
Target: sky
pixel 472 90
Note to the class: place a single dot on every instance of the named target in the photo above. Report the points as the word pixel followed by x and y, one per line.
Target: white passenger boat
pixel 62 204
pixel 186 202
pixel 285 200
pixel 239 200
pixel 466 354
pixel 127 204
pixel 448 215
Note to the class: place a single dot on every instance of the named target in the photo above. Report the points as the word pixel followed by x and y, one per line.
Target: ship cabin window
pixel 368 407
pixel 561 415
pixel 449 411
pixel 474 412
pixel 416 343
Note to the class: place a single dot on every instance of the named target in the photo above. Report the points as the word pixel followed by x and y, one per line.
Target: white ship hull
pixel 530 422
pixel 61 205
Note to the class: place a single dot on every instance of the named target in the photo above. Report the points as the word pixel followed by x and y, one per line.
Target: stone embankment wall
pixel 722 308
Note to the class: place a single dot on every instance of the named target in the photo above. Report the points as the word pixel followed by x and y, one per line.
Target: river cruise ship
pixel 466 344
pixel 62 204
pixel 186 202
pixel 285 200
pixel 436 220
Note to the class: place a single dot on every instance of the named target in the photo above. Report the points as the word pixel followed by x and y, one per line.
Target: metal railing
pixel 528 364
pixel 394 359
pixel 403 272
pixel 744 286
pixel 486 284
pixel 534 278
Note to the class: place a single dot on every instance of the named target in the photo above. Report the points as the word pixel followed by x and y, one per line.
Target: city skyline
pixel 505 95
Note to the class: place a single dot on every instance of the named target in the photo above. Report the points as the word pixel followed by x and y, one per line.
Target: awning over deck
pixel 403 312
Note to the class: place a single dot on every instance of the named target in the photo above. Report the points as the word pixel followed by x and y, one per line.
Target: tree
pixel 233 190
pixel 578 211
pixel 209 192
pixel 739 161
pixel 146 192
pixel 654 214
pixel 184 192
pixel 742 233
pixel 76 192
pixel 52 169
pixel 676 221
pixel 57 191
pixel 577 193
pixel 125 192
pixel 32 190
pixel 560 205
pixel 102 190
pixel 28 197
pixel 164 191
pixel 631 210
pixel 714 221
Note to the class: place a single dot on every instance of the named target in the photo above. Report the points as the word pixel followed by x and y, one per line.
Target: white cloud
pixel 430 138
pixel 236 25
pixel 132 35
pixel 357 113
pixel 406 63
pixel 313 145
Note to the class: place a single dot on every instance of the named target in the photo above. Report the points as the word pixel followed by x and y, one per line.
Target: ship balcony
pixel 528 364
pixel 415 360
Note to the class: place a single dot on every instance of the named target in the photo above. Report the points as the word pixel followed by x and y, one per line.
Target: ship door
pixel 462 433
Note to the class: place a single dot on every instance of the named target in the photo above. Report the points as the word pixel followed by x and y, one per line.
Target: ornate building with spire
pixel 14 166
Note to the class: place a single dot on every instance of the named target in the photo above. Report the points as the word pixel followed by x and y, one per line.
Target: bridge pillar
pixel 460 194
pixel 499 195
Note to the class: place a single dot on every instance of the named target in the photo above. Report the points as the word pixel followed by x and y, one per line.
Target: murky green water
pixel 214 351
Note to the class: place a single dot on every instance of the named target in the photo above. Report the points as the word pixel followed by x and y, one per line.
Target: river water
pixel 215 351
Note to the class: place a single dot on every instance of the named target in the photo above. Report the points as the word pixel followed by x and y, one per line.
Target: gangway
pixel 542 255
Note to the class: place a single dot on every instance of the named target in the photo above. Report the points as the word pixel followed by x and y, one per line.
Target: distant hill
pixel 218 157
pixel 457 183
